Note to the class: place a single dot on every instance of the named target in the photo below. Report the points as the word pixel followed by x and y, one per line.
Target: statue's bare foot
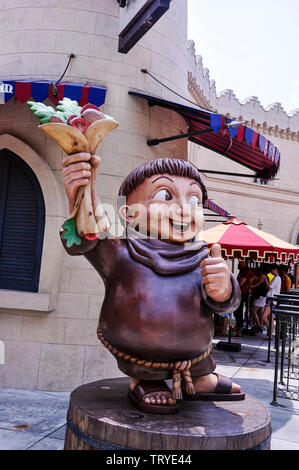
pixel 152 396
pixel 215 387
pixel 159 397
pixel 208 383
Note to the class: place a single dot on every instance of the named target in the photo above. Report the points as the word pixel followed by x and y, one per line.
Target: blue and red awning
pixel 211 130
pixel 215 208
pixel 41 90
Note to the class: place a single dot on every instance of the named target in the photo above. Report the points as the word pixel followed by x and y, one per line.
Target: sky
pixel 250 47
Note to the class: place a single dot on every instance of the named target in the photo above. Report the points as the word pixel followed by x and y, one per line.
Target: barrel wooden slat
pixel 100 416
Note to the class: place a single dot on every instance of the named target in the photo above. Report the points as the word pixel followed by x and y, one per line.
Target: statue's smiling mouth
pixel 180 226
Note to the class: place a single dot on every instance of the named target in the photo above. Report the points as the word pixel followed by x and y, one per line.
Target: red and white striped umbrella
pixel 240 240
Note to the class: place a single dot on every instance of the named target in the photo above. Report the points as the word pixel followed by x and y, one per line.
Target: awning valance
pixel 211 130
pixel 215 208
pixel 240 240
pixel 41 90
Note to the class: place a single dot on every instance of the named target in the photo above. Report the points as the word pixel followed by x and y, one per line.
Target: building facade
pixel 273 206
pixel 49 328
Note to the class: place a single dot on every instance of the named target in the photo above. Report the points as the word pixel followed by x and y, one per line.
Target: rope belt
pixel 181 369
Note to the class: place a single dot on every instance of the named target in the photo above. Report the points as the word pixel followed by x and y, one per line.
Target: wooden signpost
pixel 136 18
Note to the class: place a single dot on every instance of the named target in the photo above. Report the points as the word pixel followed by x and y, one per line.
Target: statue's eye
pixel 163 195
pixel 194 200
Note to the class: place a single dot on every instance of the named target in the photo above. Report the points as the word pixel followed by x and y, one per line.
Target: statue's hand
pixel 216 276
pixel 76 172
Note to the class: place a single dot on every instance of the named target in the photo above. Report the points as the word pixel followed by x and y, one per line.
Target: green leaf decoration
pixel 70 235
pixel 68 107
pixel 43 112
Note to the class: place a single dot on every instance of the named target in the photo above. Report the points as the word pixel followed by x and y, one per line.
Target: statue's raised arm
pixel 79 132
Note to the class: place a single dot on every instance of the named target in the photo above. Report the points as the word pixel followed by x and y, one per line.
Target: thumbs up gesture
pixel 216 276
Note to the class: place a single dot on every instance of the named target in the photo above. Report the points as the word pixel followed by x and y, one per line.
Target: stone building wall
pixel 50 337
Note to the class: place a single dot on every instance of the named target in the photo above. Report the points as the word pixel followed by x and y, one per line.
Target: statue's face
pixel 166 207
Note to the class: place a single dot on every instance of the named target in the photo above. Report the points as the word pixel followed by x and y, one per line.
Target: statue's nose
pixel 183 211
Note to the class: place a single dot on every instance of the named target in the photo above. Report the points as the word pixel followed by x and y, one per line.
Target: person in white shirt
pixel 275 287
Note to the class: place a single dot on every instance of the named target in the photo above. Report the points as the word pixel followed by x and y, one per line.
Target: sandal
pixel 143 388
pixel 222 392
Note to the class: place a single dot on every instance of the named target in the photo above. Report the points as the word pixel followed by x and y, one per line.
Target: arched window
pixel 22 221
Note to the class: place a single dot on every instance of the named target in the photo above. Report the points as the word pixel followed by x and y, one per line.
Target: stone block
pixel 29 133
pixel 112 165
pixel 100 364
pixel 81 332
pixel 85 22
pixel 132 144
pixel 10 326
pixel 20 19
pixel 85 281
pixel 71 305
pixel 63 19
pixel 12 42
pixel 43 329
pixel 94 306
pixel 64 280
pixel 53 154
pixel 69 41
pixel 21 364
pixel 107 26
pixel 108 185
pixel 38 41
pixel 61 367
pixel 13 4
pixel 105 48
pixel 69 261
pixel 50 66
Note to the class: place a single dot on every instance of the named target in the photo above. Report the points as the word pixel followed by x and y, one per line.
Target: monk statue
pixel 162 283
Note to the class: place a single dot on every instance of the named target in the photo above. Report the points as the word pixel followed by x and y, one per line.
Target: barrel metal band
pixel 89 440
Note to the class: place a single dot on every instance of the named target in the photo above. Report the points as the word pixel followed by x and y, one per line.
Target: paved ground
pixel 35 420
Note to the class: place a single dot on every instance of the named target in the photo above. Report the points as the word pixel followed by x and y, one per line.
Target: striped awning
pixel 241 144
pixel 215 208
pixel 41 90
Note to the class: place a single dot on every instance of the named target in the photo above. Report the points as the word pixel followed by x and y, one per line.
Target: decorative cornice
pixel 272 120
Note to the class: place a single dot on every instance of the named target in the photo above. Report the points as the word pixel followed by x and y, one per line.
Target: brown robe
pixel 155 304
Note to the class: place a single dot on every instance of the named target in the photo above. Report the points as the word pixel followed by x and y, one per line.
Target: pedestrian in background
pixel 285 280
pixel 244 277
pixel 260 285
pixel 275 288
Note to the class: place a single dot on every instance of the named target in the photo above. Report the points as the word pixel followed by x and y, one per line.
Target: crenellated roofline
pixel 272 120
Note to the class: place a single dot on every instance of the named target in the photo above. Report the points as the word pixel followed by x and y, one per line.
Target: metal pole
pixel 270 330
pixel 274 401
pixel 283 348
pixel 153 142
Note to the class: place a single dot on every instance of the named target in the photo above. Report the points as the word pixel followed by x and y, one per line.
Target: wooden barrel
pixel 101 417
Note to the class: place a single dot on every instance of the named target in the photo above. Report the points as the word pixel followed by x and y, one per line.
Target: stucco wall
pixel 58 349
